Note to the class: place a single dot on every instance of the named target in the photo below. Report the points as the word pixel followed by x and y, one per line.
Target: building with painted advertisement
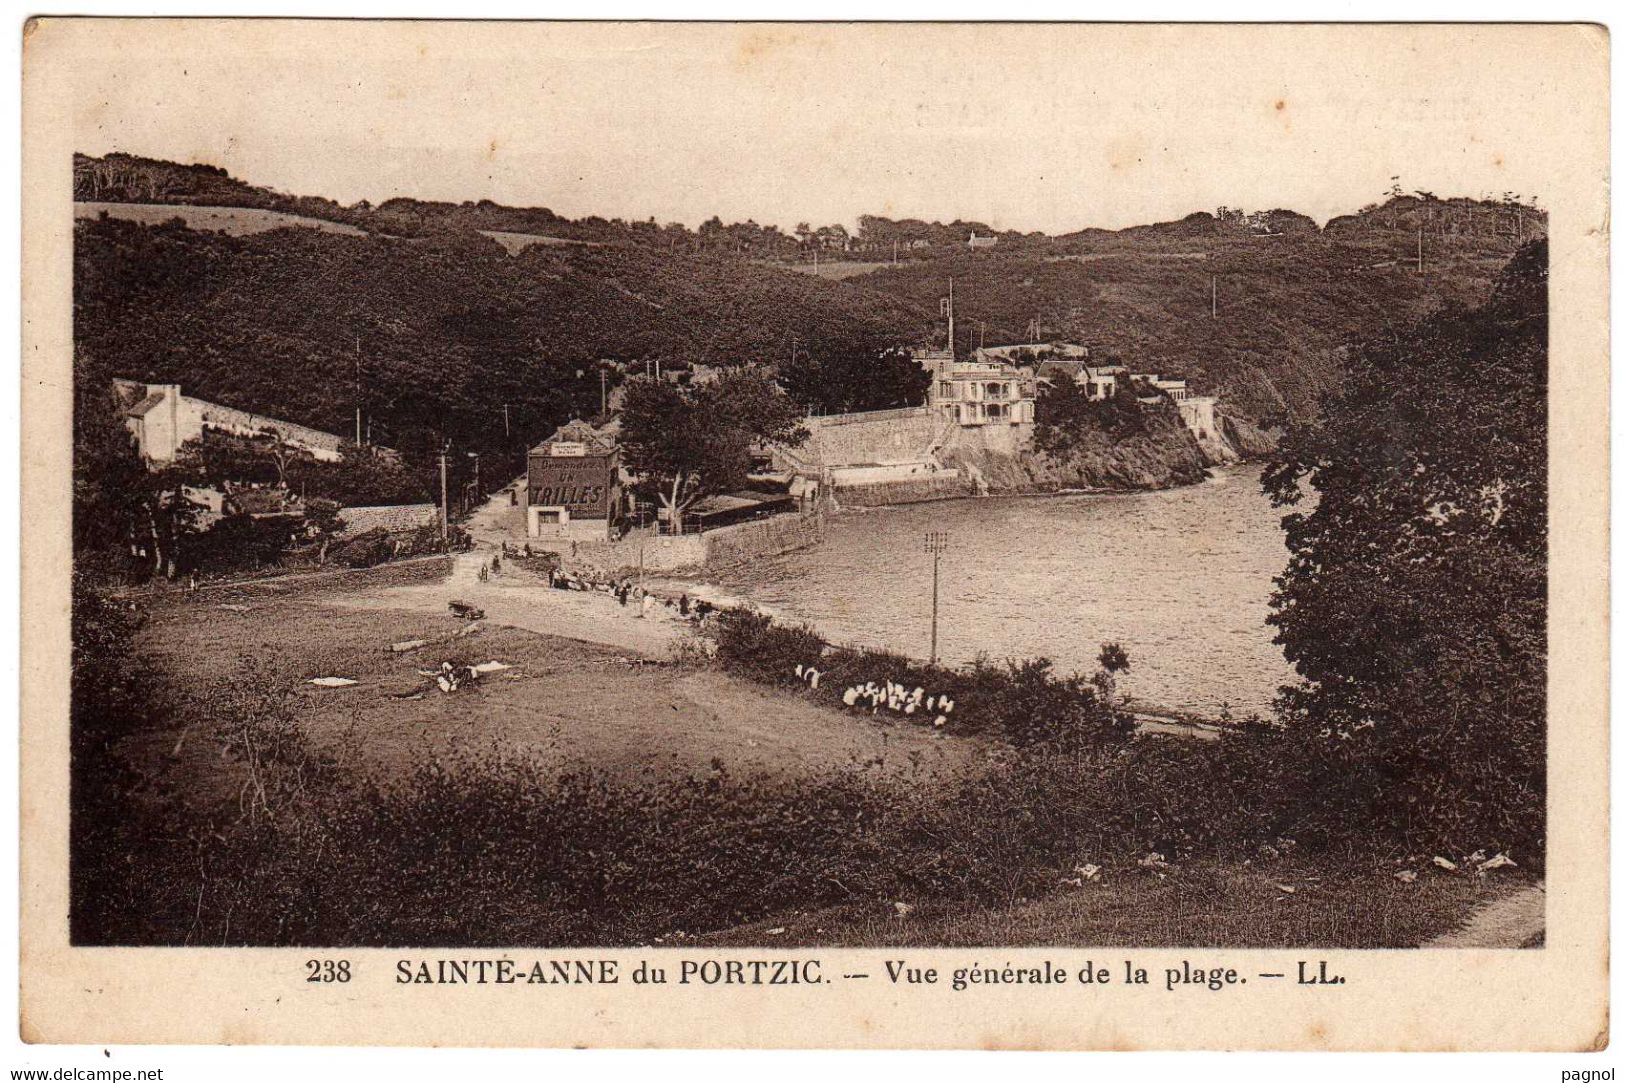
pixel 574 485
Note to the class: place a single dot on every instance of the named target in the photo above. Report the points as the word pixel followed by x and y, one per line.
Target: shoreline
pixel 720 587
pixel 1210 474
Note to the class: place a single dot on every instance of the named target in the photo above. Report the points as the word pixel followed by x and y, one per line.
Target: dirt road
pixel 1511 922
pixel 523 602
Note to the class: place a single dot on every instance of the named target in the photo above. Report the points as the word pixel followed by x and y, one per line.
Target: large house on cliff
pixel 974 393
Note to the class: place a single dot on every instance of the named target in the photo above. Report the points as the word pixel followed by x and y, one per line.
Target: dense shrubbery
pixel 112 694
pixel 374 547
pixel 1414 603
pixel 1024 703
pixel 1065 418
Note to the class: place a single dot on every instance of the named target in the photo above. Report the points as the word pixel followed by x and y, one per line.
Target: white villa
pixel 977 392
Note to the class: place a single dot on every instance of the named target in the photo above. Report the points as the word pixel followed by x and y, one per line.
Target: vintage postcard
pixel 815 535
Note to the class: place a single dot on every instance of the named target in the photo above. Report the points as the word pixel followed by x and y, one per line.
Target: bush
pixel 1023 702
pixel 758 647
pixel 364 550
pixel 503 852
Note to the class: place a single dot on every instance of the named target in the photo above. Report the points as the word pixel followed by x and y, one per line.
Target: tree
pixel 1413 604
pixel 168 516
pixel 108 478
pixel 1062 416
pixel 122 507
pixel 688 442
pixel 846 380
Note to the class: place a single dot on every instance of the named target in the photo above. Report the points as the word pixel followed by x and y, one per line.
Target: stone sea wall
pixel 906 491
pixel 732 545
pixel 720 548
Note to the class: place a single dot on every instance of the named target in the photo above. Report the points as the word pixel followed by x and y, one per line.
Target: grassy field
pixel 236 221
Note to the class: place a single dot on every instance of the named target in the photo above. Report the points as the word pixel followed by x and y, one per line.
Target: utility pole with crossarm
pixel 936 543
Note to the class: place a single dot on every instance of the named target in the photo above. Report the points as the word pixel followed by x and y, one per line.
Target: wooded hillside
pixel 439 334
pixel 435 328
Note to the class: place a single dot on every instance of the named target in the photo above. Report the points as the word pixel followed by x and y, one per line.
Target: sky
pixel 1026 127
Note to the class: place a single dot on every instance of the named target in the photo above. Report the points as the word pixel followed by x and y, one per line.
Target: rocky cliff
pixel 1166 454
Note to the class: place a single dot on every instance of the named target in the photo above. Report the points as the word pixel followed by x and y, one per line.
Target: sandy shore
pixel 519 601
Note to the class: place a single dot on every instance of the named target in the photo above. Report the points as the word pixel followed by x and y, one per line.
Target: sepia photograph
pixel 772 488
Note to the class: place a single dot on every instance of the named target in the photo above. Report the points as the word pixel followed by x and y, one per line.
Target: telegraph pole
pixel 1418 251
pixel 1213 303
pixel 358 389
pixel 603 390
pixel 507 431
pixel 936 543
pixel 445 519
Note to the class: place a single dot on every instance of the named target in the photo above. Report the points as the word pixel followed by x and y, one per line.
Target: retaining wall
pixel 879 436
pixel 720 548
pixel 904 492
pixel 745 542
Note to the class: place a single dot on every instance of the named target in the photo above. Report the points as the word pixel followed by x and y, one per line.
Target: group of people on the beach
pixel 628 593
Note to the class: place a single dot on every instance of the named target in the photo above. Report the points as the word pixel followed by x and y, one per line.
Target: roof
pixel 1072 368
pixel 146 405
pixel 390 517
pixel 736 500
pixel 596 441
